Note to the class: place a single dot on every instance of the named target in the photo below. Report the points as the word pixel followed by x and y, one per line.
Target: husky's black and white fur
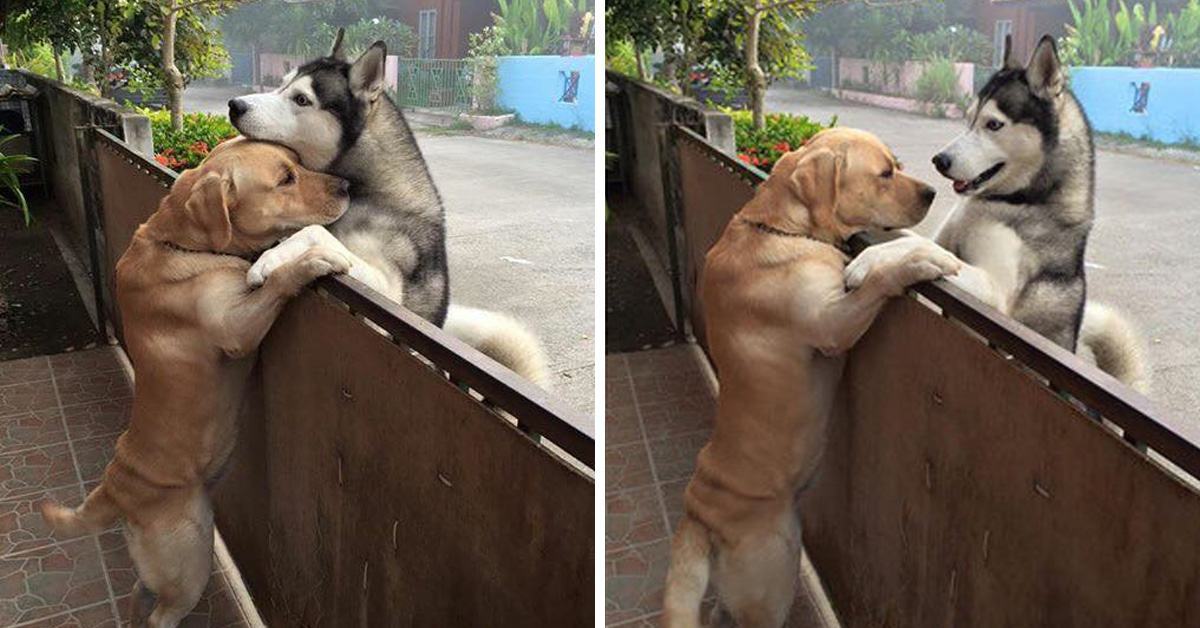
pixel 1025 169
pixel 335 115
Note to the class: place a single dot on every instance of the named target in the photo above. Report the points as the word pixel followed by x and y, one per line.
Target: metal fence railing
pixel 434 83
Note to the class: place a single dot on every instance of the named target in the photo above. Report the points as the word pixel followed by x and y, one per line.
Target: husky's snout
pixel 237 107
pixel 941 161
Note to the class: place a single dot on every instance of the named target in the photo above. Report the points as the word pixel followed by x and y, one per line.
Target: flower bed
pixel 187 147
pixel 783 133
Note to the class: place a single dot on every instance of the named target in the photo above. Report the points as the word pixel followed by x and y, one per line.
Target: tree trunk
pixel 58 66
pixel 173 78
pixel 756 80
pixel 3 53
pixel 641 63
pixel 106 89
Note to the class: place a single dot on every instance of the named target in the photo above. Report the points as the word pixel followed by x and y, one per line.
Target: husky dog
pixel 1025 169
pixel 335 115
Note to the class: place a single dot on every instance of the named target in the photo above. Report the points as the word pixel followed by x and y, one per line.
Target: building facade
pixel 442 26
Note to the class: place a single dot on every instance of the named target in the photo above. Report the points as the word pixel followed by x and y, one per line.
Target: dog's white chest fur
pixel 997 249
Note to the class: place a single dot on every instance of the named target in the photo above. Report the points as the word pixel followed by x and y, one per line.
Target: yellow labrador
pixel 192 328
pixel 777 315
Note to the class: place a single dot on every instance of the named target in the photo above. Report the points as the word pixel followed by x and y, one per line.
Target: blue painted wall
pixel 1171 107
pixel 533 87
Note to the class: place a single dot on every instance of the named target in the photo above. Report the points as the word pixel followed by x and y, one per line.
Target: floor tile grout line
pixel 22 496
pixel 662 504
pixel 125 397
pixel 60 614
pixel 61 407
pixel 25 450
pixel 636 546
pixel 112 600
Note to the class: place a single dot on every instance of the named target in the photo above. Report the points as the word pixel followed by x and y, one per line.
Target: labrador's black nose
pixel 237 107
pixel 942 162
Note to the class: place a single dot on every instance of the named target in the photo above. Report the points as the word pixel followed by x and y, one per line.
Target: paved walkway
pixel 1142 257
pixel 59 420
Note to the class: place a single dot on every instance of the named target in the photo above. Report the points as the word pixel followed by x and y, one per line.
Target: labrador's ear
pixel 207 206
pixel 1009 61
pixel 814 179
pixel 336 51
pixel 1045 73
pixel 366 75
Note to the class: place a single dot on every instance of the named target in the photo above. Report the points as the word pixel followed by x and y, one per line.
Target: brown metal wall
pixel 392 498
pixel 129 193
pixel 957 490
pixel 710 194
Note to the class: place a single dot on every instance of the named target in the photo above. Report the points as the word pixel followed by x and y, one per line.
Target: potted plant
pixel 485 48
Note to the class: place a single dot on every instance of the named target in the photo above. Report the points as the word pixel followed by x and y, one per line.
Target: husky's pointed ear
pixel 1010 62
pixel 336 51
pixel 366 75
pixel 1044 72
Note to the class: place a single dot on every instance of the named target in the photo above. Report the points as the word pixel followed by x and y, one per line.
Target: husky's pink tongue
pixel 961 186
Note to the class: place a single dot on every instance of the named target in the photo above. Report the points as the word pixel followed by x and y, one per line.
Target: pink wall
pixel 850 69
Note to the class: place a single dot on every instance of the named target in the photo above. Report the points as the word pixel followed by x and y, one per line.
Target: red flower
pixel 783 147
pixel 199 147
pixel 745 158
pixel 160 158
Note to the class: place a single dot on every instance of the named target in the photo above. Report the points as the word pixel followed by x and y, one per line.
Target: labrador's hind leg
pixel 756 577
pixel 174 561
pixel 141 603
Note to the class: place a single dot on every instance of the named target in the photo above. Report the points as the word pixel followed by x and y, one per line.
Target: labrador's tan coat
pixel 192 328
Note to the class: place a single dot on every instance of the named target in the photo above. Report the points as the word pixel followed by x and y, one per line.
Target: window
pixel 1003 29
pixel 427 34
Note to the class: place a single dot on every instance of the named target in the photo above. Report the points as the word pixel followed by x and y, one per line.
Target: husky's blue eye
pixel 302 100
pixel 993 125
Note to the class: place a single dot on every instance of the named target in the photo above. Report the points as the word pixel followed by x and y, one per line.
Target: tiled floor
pixel 59 418
pixel 659 407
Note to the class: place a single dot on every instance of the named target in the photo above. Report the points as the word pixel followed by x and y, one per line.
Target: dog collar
pixel 765 228
pixel 176 247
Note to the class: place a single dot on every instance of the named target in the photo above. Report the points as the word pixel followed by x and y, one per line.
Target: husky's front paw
pixel 900 263
pixel 290 249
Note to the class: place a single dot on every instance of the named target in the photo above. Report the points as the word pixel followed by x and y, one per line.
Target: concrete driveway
pixel 521 223
pixel 1144 251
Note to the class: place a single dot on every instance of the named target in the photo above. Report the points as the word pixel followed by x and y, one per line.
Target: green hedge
pixel 187 147
pixel 783 133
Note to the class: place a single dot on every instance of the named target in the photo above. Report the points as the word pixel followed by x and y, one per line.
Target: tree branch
pixel 178 8
pixel 773 5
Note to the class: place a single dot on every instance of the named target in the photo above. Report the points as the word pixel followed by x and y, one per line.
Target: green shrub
pixel 954 42
pixel 38 59
pixel 187 147
pixel 938 83
pixel 783 133
pixel 619 57
pixel 484 50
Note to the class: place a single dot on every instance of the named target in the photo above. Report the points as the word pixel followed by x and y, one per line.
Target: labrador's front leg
pixel 243 324
pixel 846 316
